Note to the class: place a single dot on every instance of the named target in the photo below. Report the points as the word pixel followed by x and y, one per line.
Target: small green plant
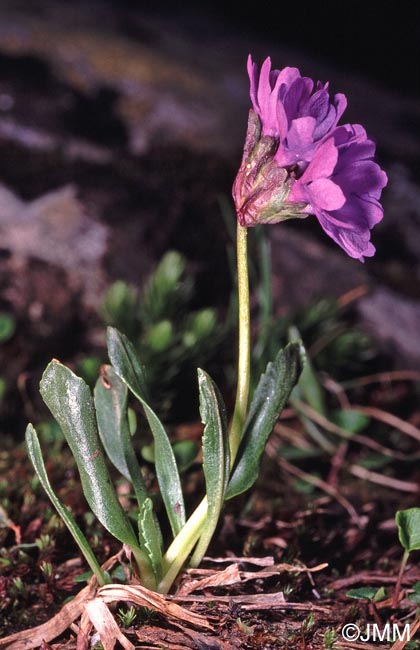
pixel 169 336
pixel 7 327
pixel 47 569
pixel 127 616
pixel 371 594
pixel 307 625
pixel 7 330
pixel 412 645
pixel 408 523
pixel 18 588
pixel 330 637
pixel 414 597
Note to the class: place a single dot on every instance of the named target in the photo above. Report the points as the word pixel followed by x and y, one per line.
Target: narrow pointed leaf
pixel 110 397
pixel 308 388
pixel 269 399
pixel 70 401
pixel 127 366
pixel 150 537
pixel 35 454
pixel 216 457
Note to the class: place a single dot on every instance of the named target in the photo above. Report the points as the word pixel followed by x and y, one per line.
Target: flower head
pixel 298 162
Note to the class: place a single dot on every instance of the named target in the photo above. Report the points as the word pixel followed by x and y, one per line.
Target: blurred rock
pixel 305 270
pixel 55 228
pixel 147 119
pixel 394 323
pixel 136 78
pixel 402 220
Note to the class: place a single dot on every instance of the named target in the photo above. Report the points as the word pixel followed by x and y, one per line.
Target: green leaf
pixel 150 537
pixel 111 413
pixel 35 454
pixel 381 594
pixel 83 577
pixel 7 327
pixel 3 387
pixel 70 401
pixel 185 453
pixel 368 593
pixel 375 461
pixel 132 421
pixel 160 336
pixel 408 522
pixel 415 596
pixel 269 399
pixel 88 368
pixel 350 420
pixel 362 593
pixel 126 364
pixel 110 397
pixel 120 306
pixel 308 386
pixel 310 391
pixel 148 453
pixel 216 457
pixel 204 322
pixel 200 326
pixel 166 289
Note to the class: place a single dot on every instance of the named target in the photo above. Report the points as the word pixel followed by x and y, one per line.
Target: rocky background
pixel 120 134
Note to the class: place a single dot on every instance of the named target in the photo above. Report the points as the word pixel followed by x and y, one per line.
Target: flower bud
pixel 261 186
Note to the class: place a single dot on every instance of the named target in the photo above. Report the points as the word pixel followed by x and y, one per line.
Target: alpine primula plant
pixel 297 162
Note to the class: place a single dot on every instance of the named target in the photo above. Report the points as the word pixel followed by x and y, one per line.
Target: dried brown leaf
pixel 104 623
pixel 258 561
pixel 228 576
pixel 141 596
pixel 256 602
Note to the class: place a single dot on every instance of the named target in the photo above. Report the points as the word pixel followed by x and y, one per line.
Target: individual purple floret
pixel 298 162
pixel 288 110
pixel 342 186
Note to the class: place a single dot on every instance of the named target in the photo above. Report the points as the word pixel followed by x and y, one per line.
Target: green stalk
pixel 182 546
pixel 146 573
pixel 186 539
pixel 242 390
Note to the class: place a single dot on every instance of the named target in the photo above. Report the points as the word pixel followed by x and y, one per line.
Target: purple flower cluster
pixel 298 162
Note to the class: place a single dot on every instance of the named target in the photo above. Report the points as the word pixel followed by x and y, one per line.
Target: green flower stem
pixel 186 539
pixel 242 390
pixel 182 546
pixel 146 573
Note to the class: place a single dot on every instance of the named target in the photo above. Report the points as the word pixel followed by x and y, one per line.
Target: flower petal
pixel 323 163
pixel 325 194
pixel 253 75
